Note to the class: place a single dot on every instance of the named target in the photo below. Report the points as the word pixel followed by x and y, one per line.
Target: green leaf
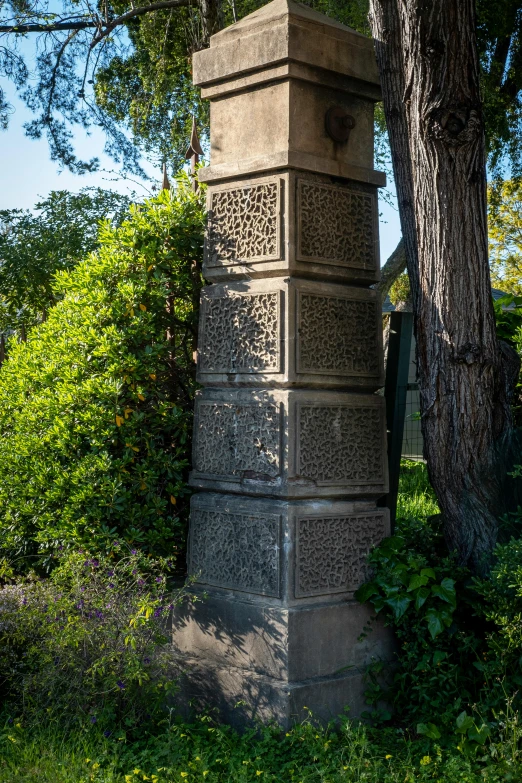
pixel 416 581
pixel 420 598
pixel 479 735
pixel 439 656
pixel 446 591
pixel 399 605
pixel 464 722
pixel 428 730
pixel 435 623
pixel 429 572
pixel 366 591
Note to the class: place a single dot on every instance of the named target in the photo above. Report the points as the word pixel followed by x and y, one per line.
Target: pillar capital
pixel 289 88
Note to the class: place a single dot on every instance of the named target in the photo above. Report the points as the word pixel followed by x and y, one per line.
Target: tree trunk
pixel 428 60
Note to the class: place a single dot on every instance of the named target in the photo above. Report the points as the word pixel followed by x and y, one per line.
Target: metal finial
pixel 165 184
pixel 194 147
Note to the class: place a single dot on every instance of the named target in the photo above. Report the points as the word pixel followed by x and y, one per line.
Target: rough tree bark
pixel 429 67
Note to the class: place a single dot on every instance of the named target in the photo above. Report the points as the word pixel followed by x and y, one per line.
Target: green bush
pixel 96 408
pixel 88 645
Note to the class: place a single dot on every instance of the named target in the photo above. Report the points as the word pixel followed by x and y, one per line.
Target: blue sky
pixel 27 172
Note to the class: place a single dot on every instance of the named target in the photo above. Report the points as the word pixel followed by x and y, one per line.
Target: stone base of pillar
pixel 253 660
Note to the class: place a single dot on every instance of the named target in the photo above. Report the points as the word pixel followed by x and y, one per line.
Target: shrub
pixel 88 644
pixel 95 409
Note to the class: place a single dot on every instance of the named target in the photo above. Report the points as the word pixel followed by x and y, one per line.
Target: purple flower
pixel 159 579
pixel 158 611
pixel 170 607
pixel 134 551
pixel 80 551
pixel 110 573
pixel 134 572
pixel 121 685
pixel 60 548
pixel 93 718
pixel 95 563
pixel 141 582
pixel 107 733
pixel 111 585
pixel 146 660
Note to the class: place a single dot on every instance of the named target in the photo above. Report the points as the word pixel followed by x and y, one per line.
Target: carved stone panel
pixel 337 335
pixel 238 551
pixel 240 333
pixel 238 440
pixel 244 224
pixel 335 225
pixel 340 444
pixel 332 551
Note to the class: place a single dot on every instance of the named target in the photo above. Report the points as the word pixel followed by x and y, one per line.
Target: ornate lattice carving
pixel 240 551
pixel 240 333
pixel 243 224
pixel 336 225
pixel 340 444
pixel 237 440
pixel 337 335
pixel 332 552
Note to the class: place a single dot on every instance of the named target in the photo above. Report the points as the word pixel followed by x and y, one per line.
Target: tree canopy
pixel 36 245
pixel 125 67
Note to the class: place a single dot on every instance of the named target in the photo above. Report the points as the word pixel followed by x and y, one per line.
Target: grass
pixel 204 751
pixel 208 753
pixel 416 499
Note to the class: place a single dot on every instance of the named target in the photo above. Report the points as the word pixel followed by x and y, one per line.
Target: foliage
pixel 128 71
pixel 206 751
pixel 505 234
pixel 88 645
pixel 96 407
pixel 400 290
pixel 34 246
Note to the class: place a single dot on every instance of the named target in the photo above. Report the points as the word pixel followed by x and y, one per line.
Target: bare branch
pixel 47 28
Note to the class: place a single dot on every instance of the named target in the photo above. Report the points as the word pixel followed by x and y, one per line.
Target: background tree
pixel 36 245
pixel 96 406
pixel 505 235
pixel 429 64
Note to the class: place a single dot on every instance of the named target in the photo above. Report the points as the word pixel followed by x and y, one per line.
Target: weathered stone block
pixel 290 332
pixel 292 64
pixel 243 698
pixel 293 443
pixel 291 223
pixel 301 551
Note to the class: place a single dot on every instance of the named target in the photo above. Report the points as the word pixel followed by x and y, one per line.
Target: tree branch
pixel 47 28
pixel 85 24
pixel 394 266
pixel 144 9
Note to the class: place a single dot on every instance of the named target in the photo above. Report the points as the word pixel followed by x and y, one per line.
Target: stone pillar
pixel 289 441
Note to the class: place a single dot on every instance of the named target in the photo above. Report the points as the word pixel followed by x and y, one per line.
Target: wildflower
pixel 184 774
pixel 159 579
pixel 388 756
pixel 134 551
pixel 141 582
pixel 425 760
pixel 111 585
pixel 259 771
pixel 121 685
pixel 95 563
pixel 107 733
pixel 93 718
